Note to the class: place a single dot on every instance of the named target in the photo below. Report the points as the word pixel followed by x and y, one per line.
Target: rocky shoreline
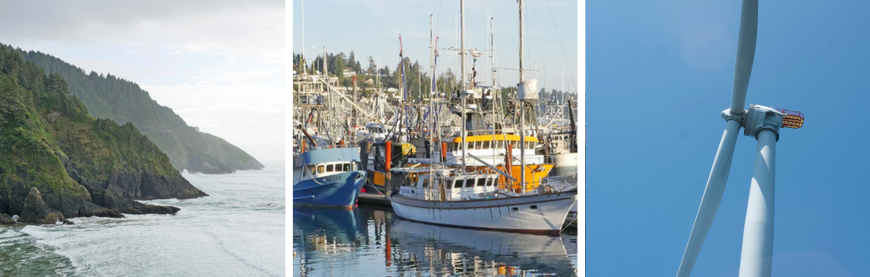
pixel 35 211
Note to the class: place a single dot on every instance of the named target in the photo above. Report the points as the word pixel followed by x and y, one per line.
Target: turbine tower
pixel 762 123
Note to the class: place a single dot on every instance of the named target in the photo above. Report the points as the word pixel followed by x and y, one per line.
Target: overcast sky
pixel 218 64
pixel 372 28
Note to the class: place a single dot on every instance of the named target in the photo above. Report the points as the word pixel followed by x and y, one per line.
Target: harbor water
pixel 373 241
pixel 238 230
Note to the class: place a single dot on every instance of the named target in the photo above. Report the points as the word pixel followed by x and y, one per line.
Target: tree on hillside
pixel 352 63
pixel 372 67
pixel 338 64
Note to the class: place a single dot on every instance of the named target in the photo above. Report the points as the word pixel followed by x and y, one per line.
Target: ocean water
pixel 373 241
pixel 236 231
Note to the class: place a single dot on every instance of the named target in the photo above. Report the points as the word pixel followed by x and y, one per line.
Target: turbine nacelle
pixel 759 118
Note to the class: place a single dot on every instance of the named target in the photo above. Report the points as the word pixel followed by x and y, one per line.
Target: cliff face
pixel 123 101
pixel 81 165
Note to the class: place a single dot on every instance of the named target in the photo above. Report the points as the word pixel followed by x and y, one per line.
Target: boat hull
pixel 529 214
pixel 336 190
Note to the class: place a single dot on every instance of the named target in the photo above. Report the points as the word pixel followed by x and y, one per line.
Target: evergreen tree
pixel 372 67
pixel 351 62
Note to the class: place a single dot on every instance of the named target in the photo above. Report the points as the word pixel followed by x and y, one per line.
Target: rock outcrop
pixel 35 211
pixel 5 219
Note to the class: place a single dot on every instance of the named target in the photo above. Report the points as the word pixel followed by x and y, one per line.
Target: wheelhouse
pixel 328 168
pixel 447 187
pixel 325 162
pixel 489 142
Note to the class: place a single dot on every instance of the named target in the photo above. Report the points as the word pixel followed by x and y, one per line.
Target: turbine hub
pixel 728 115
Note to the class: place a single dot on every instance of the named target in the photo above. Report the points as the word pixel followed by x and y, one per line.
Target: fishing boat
pixel 475 200
pixel 330 177
pixel 499 150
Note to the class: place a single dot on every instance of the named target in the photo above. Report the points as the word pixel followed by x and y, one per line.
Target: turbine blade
pixel 712 197
pixel 745 54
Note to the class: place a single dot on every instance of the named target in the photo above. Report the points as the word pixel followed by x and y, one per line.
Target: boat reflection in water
pixel 437 250
pixel 374 242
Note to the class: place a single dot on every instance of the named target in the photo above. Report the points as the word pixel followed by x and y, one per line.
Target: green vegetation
pixel 122 101
pixel 49 141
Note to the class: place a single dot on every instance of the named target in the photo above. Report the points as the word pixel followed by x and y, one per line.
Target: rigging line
pixel 564 54
pixel 440 19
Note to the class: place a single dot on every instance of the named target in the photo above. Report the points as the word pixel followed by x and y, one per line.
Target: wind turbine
pixel 762 123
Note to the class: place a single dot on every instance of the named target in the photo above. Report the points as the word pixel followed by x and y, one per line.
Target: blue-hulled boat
pixel 330 177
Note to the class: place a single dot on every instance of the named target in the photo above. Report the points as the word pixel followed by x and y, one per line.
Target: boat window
pixel 329 168
pixel 477 145
pixel 458 184
pixel 470 145
pixel 481 182
pixel 347 167
pixel 489 182
pixel 320 169
pixel 485 145
pixel 426 183
pixel 496 144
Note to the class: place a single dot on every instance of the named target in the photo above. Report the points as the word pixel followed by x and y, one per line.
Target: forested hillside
pixel 82 165
pixel 107 96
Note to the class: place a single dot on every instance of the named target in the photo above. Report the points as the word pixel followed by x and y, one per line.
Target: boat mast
pixel 462 84
pixel 302 58
pixel 492 90
pixel 522 110
pixel 431 113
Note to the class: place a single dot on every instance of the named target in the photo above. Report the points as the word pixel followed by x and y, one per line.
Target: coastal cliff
pixel 123 101
pixel 80 165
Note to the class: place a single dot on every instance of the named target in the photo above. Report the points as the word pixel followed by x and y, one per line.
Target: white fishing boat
pixel 476 201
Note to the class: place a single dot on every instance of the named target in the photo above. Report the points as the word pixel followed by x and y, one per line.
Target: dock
pixel 374 199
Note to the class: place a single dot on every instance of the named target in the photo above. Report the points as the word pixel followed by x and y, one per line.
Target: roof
pixel 494 137
pixel 330 155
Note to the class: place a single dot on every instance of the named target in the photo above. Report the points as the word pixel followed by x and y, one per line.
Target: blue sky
pixel 658 76
pixel 372 28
